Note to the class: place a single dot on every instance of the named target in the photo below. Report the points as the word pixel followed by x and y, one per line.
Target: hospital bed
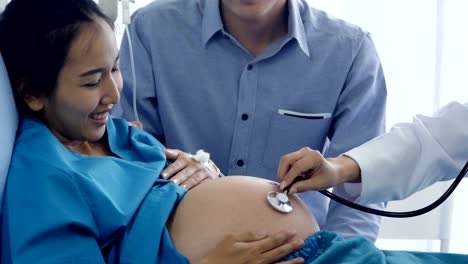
pixel 8 124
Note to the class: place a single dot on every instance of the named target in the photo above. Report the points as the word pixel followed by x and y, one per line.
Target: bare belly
pixel 231 205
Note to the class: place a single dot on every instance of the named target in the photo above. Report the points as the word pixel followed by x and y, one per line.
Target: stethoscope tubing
pixel 407 214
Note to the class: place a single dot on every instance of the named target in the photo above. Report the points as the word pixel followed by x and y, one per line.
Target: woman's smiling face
pixel 88 85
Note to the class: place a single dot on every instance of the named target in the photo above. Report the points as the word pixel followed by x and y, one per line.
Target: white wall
pixel 423 45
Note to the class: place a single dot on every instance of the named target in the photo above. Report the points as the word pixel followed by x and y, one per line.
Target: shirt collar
pixel 212 23
pixel 296 25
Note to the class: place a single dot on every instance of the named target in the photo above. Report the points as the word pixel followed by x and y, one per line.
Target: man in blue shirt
pixel 250 81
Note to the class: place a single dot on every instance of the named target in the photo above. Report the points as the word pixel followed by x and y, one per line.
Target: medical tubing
pixel 132 64
pixel 407 214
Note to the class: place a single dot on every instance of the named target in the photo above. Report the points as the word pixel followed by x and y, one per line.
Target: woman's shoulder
pixel 34 139
pixel 35 148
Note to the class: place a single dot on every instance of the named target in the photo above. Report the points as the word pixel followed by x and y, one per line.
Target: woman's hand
pixel 185 171
pixel 255 248
pixel 319 173
pixel 135 124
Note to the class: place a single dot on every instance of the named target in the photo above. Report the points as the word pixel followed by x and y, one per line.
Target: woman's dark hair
pixel 35 36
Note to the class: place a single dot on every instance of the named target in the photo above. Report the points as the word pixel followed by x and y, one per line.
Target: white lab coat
pixel 413 156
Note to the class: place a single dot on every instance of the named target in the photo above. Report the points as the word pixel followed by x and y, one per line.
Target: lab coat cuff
pixel 362 158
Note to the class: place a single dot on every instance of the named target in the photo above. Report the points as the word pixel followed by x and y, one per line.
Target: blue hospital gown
pixel 64 207
pixel 327 247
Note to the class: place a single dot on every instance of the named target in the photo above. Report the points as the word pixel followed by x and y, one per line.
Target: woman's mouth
pixel 99 116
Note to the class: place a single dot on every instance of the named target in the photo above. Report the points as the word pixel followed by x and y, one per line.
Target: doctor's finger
pixel 317 183
pixel 286 162
pixel 307 166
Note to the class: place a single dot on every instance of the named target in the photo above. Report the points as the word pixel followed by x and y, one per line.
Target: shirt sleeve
pixel 47 220
pixel 359 116
pixel 146 100
pixel 414 155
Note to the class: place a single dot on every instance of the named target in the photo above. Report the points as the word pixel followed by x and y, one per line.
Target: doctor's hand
pixel 255 248
pixel 185 171
pixel 319 173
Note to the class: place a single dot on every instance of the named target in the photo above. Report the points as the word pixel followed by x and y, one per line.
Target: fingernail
pixel 164 175
pixel 175 181
pixel 184 186
pixel 170 151
pixel 282 185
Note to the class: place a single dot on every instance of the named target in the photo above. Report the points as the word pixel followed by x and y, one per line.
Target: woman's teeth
pixel 98 116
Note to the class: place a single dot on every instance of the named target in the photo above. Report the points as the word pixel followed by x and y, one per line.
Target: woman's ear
pixel 35 103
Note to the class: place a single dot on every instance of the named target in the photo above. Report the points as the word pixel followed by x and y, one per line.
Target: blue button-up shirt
pixel 199 88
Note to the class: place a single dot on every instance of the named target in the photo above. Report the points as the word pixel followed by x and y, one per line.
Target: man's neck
pixel 257 33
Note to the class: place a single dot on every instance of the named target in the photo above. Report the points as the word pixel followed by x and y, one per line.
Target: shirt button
pixel 240 163
pixel 249 67
pixel 245 117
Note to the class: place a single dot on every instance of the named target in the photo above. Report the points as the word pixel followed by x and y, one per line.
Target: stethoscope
pixel 280 200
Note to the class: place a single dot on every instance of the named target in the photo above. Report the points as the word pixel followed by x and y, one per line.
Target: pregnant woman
pixel 86 188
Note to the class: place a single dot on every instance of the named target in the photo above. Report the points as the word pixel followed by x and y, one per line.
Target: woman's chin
pixel 95 135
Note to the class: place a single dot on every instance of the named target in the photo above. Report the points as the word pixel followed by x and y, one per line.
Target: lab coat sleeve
pixel 146 100
pixel 359 116
pixel 48 220
pixel 414 155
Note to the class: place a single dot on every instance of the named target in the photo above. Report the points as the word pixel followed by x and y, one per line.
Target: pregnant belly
pixel 231 205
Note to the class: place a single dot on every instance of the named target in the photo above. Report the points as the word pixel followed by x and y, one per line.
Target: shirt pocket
pixel 289 133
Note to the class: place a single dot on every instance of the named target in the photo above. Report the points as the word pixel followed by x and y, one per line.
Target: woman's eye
pixel 115 69
pixel 92 84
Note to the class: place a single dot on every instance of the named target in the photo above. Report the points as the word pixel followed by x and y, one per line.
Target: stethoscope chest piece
pixel 279 201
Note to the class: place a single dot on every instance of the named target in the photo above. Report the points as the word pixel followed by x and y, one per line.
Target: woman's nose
pixel 112 91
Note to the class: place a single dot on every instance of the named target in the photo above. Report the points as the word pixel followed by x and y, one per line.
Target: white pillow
pixel 8 127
